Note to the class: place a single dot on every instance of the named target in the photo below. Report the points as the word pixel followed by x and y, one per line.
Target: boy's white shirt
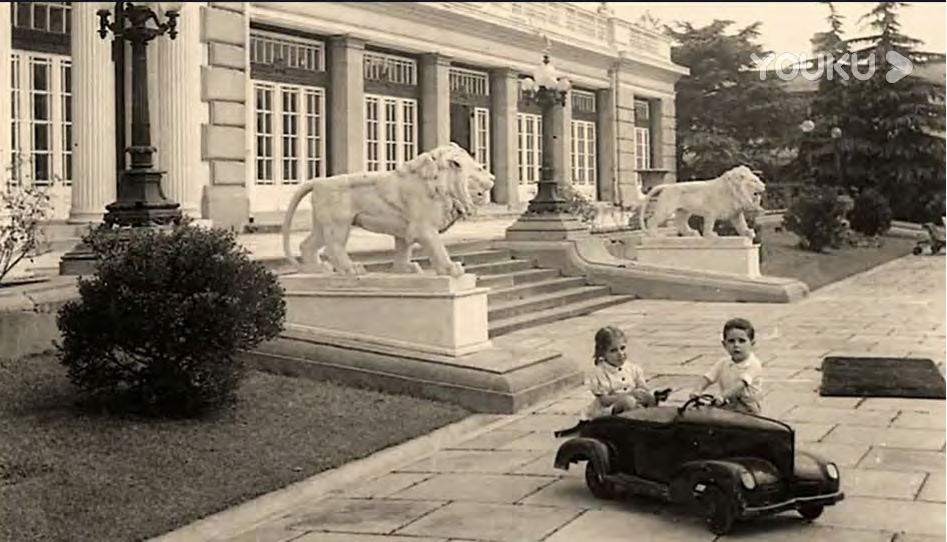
pixel 606 379
pixel 729 375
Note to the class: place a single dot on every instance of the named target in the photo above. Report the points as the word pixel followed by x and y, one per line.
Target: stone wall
pixel 224 87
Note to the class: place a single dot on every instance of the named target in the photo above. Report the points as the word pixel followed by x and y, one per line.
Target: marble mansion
pixel 253 97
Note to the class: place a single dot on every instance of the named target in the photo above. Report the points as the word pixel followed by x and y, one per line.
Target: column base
pixel 80 260
pixel 547 227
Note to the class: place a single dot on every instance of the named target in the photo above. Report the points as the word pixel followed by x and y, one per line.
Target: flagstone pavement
pixel 499 485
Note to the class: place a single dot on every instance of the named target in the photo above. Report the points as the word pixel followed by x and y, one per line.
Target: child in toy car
pixel 616 384
pixel 738 376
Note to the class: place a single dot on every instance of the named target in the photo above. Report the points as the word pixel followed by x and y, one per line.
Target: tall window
pixel 391 131
pixel 643 135
pixel 584 155
pixel 290 126
pixel 41 117
pixel 289 96
pixel 529 128
pixel 481 136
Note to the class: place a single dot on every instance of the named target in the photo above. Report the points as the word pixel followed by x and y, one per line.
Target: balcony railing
pixel 569 22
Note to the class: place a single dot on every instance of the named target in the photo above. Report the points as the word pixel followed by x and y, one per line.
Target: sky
pixel 788 26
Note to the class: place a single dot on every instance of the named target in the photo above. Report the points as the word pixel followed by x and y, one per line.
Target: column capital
pixel 437 59
pixel 504 73
pixel 348 41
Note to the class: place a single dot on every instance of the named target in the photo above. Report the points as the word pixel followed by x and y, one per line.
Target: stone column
pixel 347 105
pixel 666 138
pixel 435 101
pixel 504 95
pixel 6 145
pixel 181 112
pixel 93 107
pixel 605 145
pixel 562 134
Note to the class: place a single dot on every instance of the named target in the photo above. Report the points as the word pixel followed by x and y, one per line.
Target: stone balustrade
pixel 569 22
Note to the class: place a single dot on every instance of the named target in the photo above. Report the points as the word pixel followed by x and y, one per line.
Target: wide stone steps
pixel 522 295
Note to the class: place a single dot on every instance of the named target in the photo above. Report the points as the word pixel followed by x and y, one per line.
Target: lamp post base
pixel 141 201
pixel 555 226
pixel 80 260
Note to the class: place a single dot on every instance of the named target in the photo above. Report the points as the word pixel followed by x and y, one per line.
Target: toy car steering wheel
pixel 704 399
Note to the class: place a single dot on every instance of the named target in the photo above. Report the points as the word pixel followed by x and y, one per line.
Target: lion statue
pixel 414 203
pixel 727 197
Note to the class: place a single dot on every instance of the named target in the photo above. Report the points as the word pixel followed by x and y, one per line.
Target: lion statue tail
pixel 301 192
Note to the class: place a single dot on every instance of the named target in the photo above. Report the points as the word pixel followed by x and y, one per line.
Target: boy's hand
pixel 662 395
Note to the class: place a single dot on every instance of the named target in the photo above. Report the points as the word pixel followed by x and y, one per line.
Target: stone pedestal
pixel 728 255
pixel 426 314
pixel 547 227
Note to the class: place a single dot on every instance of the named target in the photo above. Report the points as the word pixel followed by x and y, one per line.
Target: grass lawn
pixel 781 257
pixel 69 476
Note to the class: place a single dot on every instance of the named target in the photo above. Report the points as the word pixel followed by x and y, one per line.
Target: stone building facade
pixel 253 98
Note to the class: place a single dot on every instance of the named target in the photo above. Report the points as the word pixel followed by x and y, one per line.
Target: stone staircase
pixel 523 295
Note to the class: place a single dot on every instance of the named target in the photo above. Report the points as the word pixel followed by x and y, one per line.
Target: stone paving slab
pixel 491 522
pixel 500 485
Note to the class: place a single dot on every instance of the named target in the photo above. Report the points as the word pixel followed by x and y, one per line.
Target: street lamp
pixel 836 134
pixel 140 199
pixel 547 90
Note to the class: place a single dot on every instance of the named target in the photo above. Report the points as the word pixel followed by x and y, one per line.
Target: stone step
pixel 530 289
pixel 509 325
pixel 541 302
pixel 506 280
pixel 500 267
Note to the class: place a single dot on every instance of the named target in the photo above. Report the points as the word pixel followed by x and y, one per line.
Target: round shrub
pixel 818 219
pixel 871 214
pixel 158 327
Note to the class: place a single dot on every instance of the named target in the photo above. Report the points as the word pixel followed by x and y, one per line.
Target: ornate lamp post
pixel 548 91
pixel 140 199
pixel 808 126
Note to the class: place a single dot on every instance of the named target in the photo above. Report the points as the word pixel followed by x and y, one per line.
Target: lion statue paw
pixel 453 269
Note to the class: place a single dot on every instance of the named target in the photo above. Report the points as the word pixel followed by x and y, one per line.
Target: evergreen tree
pixel 894 123
pixel 726 113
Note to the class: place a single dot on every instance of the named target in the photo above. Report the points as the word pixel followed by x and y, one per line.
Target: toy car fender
pixel 731 476
pixel 584 449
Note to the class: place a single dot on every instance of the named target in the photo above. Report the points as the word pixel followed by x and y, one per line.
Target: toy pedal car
pixel 935 239
pixel 728 466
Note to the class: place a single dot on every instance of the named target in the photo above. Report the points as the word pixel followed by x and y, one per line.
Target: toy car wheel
pixel 811 512
pixel 719 511
pixel 917 250
pixel 600 486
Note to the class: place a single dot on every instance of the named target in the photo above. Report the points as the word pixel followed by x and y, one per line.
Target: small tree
pixel 24 208
pixel 157 329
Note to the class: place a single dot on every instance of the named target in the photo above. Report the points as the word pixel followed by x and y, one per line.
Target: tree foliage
pixel 726 113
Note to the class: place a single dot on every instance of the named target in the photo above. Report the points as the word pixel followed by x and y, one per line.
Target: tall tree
pixel 726 113
pixel 895 120
pixel 822 158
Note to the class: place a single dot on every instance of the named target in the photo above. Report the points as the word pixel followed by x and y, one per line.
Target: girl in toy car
pixel 617 384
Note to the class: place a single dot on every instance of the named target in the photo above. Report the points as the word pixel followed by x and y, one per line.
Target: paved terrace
pixel 497 484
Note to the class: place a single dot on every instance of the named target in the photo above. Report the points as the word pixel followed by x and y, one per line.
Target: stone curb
pixel 243 517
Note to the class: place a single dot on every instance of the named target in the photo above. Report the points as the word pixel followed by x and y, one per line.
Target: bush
pixel 818 219
pixel 871 214
pixel 24 207
pixel 578 205
pixel 157 328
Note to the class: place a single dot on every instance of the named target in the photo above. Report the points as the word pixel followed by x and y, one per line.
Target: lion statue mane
pixel 414 204
pixel 727 197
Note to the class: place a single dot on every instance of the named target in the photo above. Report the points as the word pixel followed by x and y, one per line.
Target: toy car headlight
pixel 831 471
pixel 747 479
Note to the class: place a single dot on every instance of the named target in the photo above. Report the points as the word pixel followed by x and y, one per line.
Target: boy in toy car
pixel 738 376
pixel 617 384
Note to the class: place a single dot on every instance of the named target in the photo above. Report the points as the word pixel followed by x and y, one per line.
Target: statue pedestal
pixel 420 313
pixel 547 227
pixel 729 255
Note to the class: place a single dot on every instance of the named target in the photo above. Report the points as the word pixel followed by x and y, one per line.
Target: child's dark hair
pixel 605 338
pixel 740 323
